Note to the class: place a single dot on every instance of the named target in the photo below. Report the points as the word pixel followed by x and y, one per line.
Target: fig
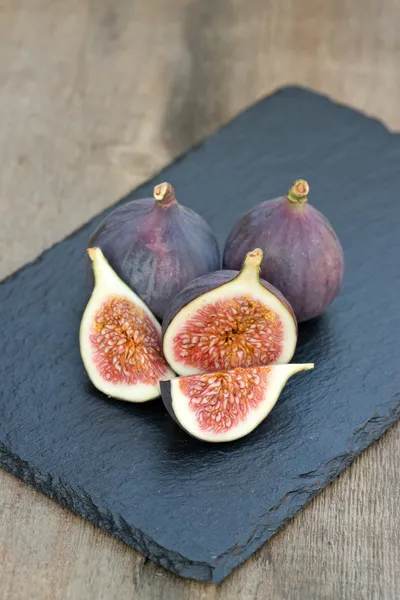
pixel 226 405
pixel 120 339
pixel 229 319
pixel 303 257
pixel 156 246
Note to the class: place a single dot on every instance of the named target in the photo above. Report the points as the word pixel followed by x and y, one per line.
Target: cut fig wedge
pixel 226 405
pixel 120 339
pixel 229 319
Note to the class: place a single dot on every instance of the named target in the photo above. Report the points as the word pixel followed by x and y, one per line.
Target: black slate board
pixel 197 509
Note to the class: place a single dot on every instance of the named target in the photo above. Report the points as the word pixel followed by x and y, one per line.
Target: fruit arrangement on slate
pixel 228 334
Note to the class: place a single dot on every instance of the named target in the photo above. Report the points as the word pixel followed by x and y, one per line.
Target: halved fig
pixel 120 339
pixel 226 405
pixel 229 319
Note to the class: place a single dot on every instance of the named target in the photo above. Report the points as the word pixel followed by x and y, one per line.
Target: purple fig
pixel 156 246
pixel 303 257
pixel 229 319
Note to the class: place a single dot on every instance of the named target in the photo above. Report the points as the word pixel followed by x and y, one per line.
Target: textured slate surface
pixel 197 509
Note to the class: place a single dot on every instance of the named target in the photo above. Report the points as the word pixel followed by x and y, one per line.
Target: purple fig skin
pixel 165 387
pixel 156 246
pixel 205 284
pixel 303 257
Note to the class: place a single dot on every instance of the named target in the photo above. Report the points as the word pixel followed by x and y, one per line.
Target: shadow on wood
pixel 199 91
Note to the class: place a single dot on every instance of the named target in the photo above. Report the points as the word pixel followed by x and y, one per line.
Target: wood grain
pixel 94 98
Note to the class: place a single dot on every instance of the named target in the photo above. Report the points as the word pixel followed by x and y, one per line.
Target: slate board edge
pixel 222 566
pixel 194 148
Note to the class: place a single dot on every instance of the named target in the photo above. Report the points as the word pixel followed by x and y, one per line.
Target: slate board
pixel 197 509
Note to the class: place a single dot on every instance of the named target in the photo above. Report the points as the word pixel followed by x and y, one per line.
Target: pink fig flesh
pixel 303 257
pixel 130 350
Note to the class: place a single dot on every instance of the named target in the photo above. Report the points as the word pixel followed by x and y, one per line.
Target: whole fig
pixel 303 257
pixel 156 246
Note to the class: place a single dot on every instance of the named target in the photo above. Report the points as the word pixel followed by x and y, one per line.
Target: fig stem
pixel 298 193
pixel 93 252
pixel 101 268
pixel 251 265
pixel 95 255
pixel 164 194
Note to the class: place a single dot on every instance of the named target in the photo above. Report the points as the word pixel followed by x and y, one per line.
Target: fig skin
pixel 156 246
pixel 303 257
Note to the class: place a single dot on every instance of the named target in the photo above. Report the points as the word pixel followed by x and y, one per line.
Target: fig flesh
pixel 120 339
pixel 226 405
pixel 303 257
pixel 156 246
pixel 229 319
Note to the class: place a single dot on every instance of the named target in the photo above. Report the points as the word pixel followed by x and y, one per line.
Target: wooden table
pixel 94 98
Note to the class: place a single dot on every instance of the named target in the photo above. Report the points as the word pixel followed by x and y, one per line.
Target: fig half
pixel 229 319
pixel 156 246
pixel 120 339
pixel 226 405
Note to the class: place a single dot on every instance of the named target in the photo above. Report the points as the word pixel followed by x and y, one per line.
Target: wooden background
pixel 94 98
